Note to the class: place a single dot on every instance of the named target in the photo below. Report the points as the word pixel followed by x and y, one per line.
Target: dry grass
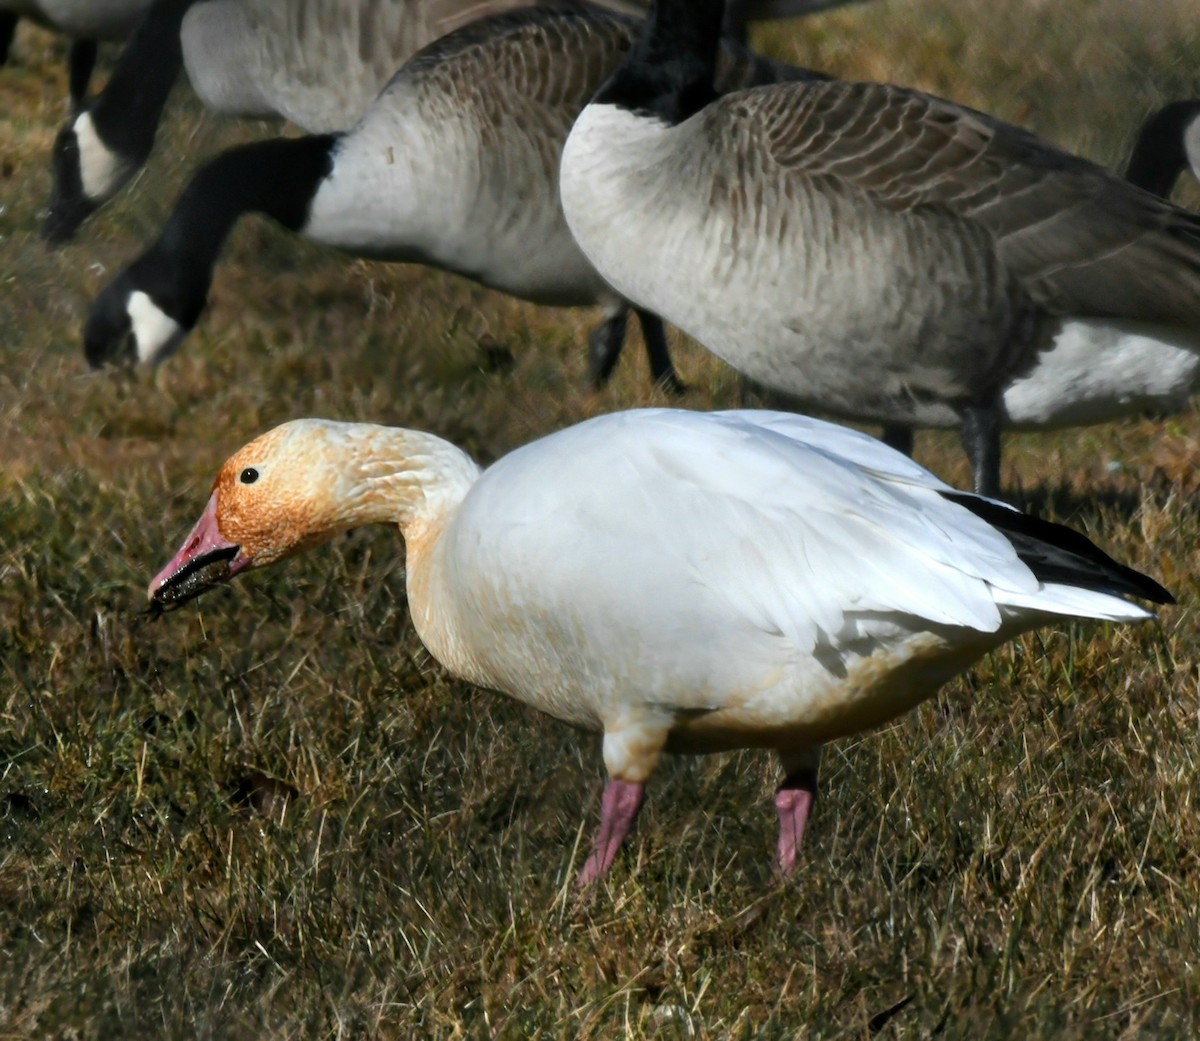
pixel 272 816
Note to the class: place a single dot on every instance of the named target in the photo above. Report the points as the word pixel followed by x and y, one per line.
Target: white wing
pixel 699 554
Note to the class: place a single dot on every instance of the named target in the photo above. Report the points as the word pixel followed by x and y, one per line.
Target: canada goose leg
pixel 981 438
pixel 662 369
pixel 604 345
pixel 80 63
pixel 618 810
pixel 899 437
pixel 8 29
pixel 794 800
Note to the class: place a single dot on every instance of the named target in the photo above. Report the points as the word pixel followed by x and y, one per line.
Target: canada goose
pixel 1167 144
pixel 100 148
pixel 300 60
pixel 880 253
pixel 85 21
pixel 317 63
pixel 455 165
pixel 679 581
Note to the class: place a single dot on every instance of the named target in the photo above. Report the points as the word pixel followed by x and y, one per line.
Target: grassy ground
pixel 271 815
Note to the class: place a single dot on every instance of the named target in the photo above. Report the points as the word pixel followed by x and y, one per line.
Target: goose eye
pixel 249 475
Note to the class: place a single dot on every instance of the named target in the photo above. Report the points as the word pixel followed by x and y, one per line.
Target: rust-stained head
pixel 296 487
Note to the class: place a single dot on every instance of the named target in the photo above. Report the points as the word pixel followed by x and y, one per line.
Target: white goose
pixel 679 581
pixel 880 253
pixel 455 165
pixel 1168 143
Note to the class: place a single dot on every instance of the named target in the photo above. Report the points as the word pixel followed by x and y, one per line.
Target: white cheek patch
pixel 155 333
pixel 101 171
pixel 1191 144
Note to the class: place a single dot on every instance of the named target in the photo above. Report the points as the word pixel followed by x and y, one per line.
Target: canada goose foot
pixel 670 383
pixel 618 810
pixel 608 338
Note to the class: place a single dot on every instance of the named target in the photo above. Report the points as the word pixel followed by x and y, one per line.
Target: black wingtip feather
pixel 1056 553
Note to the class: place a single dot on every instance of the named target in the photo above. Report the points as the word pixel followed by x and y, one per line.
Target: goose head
pixel 130 324
pixel 87 173
pixel 303 483
pixel 1167 144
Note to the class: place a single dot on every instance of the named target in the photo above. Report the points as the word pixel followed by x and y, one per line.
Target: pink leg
pixel 618 810
pixel 793 802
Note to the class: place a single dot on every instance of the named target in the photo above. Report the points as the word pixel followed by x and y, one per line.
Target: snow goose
pixel 455 165
pixel 678 581
pixel 880 253
pixel 1167 144
pixel 85 21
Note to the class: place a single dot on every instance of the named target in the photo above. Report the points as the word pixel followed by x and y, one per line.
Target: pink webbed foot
pixel 793 802
pixel 618 810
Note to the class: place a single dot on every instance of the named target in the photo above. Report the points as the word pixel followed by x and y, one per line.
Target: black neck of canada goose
pixel 1160 153
pixel 277 178
pixel 127 113
pixel 669 71
pixel 122 121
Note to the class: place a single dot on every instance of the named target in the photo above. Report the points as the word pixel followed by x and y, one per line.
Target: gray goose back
pixel 317 63
pixel 469 117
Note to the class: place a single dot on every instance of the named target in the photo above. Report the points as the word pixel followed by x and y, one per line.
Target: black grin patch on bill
pixel 195 577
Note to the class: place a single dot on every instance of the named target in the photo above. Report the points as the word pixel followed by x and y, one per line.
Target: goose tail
pixel 1073 602
pixel 1076 576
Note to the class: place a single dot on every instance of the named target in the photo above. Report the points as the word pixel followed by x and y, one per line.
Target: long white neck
pixel 404 477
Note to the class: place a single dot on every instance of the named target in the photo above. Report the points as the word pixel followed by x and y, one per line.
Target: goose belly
pixel 819 705
pixel 757 692
pixel 434 192
pixel 601 643
pixel 218 43
pixel 1095 371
